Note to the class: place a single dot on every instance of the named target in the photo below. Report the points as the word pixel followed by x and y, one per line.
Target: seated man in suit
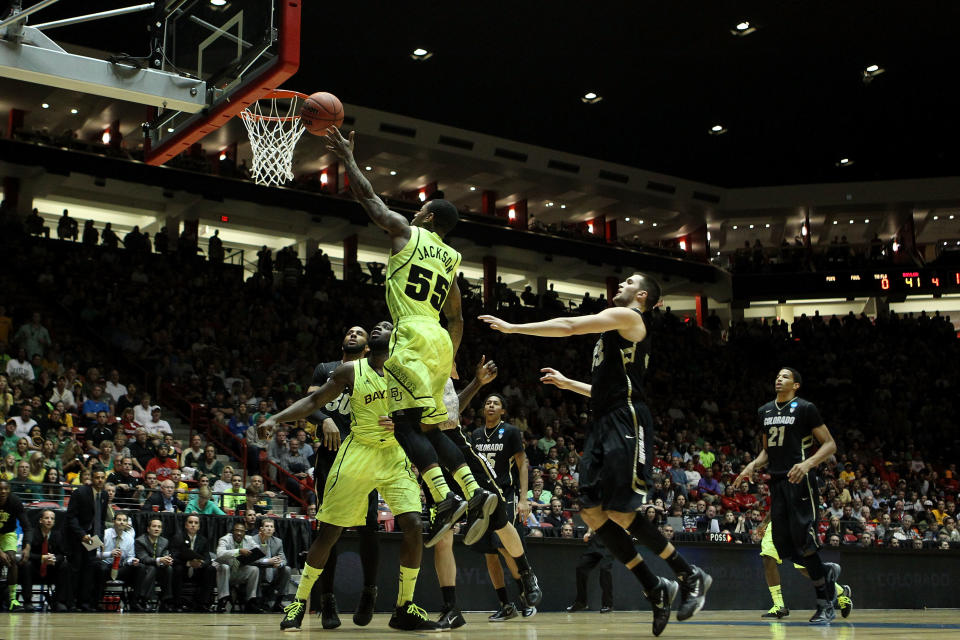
pixel 231 548
pixel 275 574
pixel 47 565
pixel 165 500
pixel 188 568
pixel 153 552
pixel 118 558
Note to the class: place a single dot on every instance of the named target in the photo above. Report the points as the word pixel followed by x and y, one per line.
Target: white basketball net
pixel 274 131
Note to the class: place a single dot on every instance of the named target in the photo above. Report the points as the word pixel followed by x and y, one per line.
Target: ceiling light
pixel 718 130
pixel 549 204
pixel 951 217
pixel 106 137
pixel 743 28
pixel 871 72
pixel 851 222
pixel 639 221
pixel 654 224
pixel 866 220
pixel 74 111
pixel 473 188
pixel 563 206
pixel 420 54
pixel 734 227
pixel 844 162
pixel 422 195
pixel 591 98
pixel 368 168
pixel 751 226
pixel 767 226
pixel 393 172
pixel 834 222
pixel 936 217
pixel 323 176
pixel 45 105
pixel 626 219
pixel 169 129
pixel 708 236
pixel 218 3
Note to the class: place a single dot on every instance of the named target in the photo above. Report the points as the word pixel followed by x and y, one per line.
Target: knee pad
pixel 413 441
pixel 647 534
pixel 448 454
pixel 498 519
pixel 617 541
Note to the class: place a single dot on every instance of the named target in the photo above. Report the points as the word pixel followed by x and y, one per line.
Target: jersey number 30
pixel 419 285
pixel 773 440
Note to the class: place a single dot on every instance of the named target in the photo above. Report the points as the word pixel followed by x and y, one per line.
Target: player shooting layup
pixel 420 284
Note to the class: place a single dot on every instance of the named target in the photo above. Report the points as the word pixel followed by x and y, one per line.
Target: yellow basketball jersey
pixel 419 277
pixel 368 401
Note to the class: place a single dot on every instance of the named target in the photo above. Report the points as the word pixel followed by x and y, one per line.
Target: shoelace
pixel 293 609
pixel 843 601
pixel 414 610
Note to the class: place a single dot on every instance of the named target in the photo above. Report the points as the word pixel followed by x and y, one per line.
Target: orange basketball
pixel 320 111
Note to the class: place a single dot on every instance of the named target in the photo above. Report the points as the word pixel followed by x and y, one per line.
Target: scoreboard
pixel 893 281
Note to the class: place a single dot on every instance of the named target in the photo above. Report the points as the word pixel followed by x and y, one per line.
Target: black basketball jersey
pixel 498 446
pixel 617 371
pixel 339 408
pixel 789 433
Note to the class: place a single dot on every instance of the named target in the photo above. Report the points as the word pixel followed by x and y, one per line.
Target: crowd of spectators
pixel 245 349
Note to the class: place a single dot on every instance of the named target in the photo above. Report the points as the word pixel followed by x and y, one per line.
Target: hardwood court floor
pixel 624 625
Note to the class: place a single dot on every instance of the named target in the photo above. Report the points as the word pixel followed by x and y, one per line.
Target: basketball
pixel 320 111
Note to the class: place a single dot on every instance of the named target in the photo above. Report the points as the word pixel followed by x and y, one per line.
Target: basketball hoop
pixel 274 127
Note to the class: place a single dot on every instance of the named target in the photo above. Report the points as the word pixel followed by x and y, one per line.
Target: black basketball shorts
pixel 793 513
pixel 615 466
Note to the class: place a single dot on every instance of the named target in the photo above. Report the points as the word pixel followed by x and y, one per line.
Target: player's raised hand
pixel 497 324
pixel 554 377
pixel 336 143
pixel 486 371
pixel 331 435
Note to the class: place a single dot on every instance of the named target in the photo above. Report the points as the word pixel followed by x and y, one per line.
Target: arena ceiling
pixel 791 92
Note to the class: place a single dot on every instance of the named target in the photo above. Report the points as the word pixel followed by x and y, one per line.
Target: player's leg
pixel 322 596
pixel 771 560
pixel 369 562
pixel 510 546
pixel 8 547
pixel 446 566
pixel 797 507
pixel 396 483
pixel 344 505
pixel 506 610
pixel 416 445
pixel 327 536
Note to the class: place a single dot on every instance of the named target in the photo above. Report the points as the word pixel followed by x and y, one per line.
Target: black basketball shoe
pixel 481 505
pixel 693 592
pixel 448 511
pixel 661 599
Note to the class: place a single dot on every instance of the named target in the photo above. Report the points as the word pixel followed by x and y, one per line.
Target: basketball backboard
pixel 208 60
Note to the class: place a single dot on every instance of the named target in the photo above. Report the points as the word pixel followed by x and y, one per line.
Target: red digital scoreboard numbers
pixel 900 281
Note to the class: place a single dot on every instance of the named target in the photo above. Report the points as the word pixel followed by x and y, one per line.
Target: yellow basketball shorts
pixel 8 541
pixel 360 467
pixel 420 362
pixel 767 548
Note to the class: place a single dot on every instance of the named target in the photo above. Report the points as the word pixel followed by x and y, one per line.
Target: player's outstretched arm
pixel 342 378
pixel 629 323
pixel 390 221
pixel 557 379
